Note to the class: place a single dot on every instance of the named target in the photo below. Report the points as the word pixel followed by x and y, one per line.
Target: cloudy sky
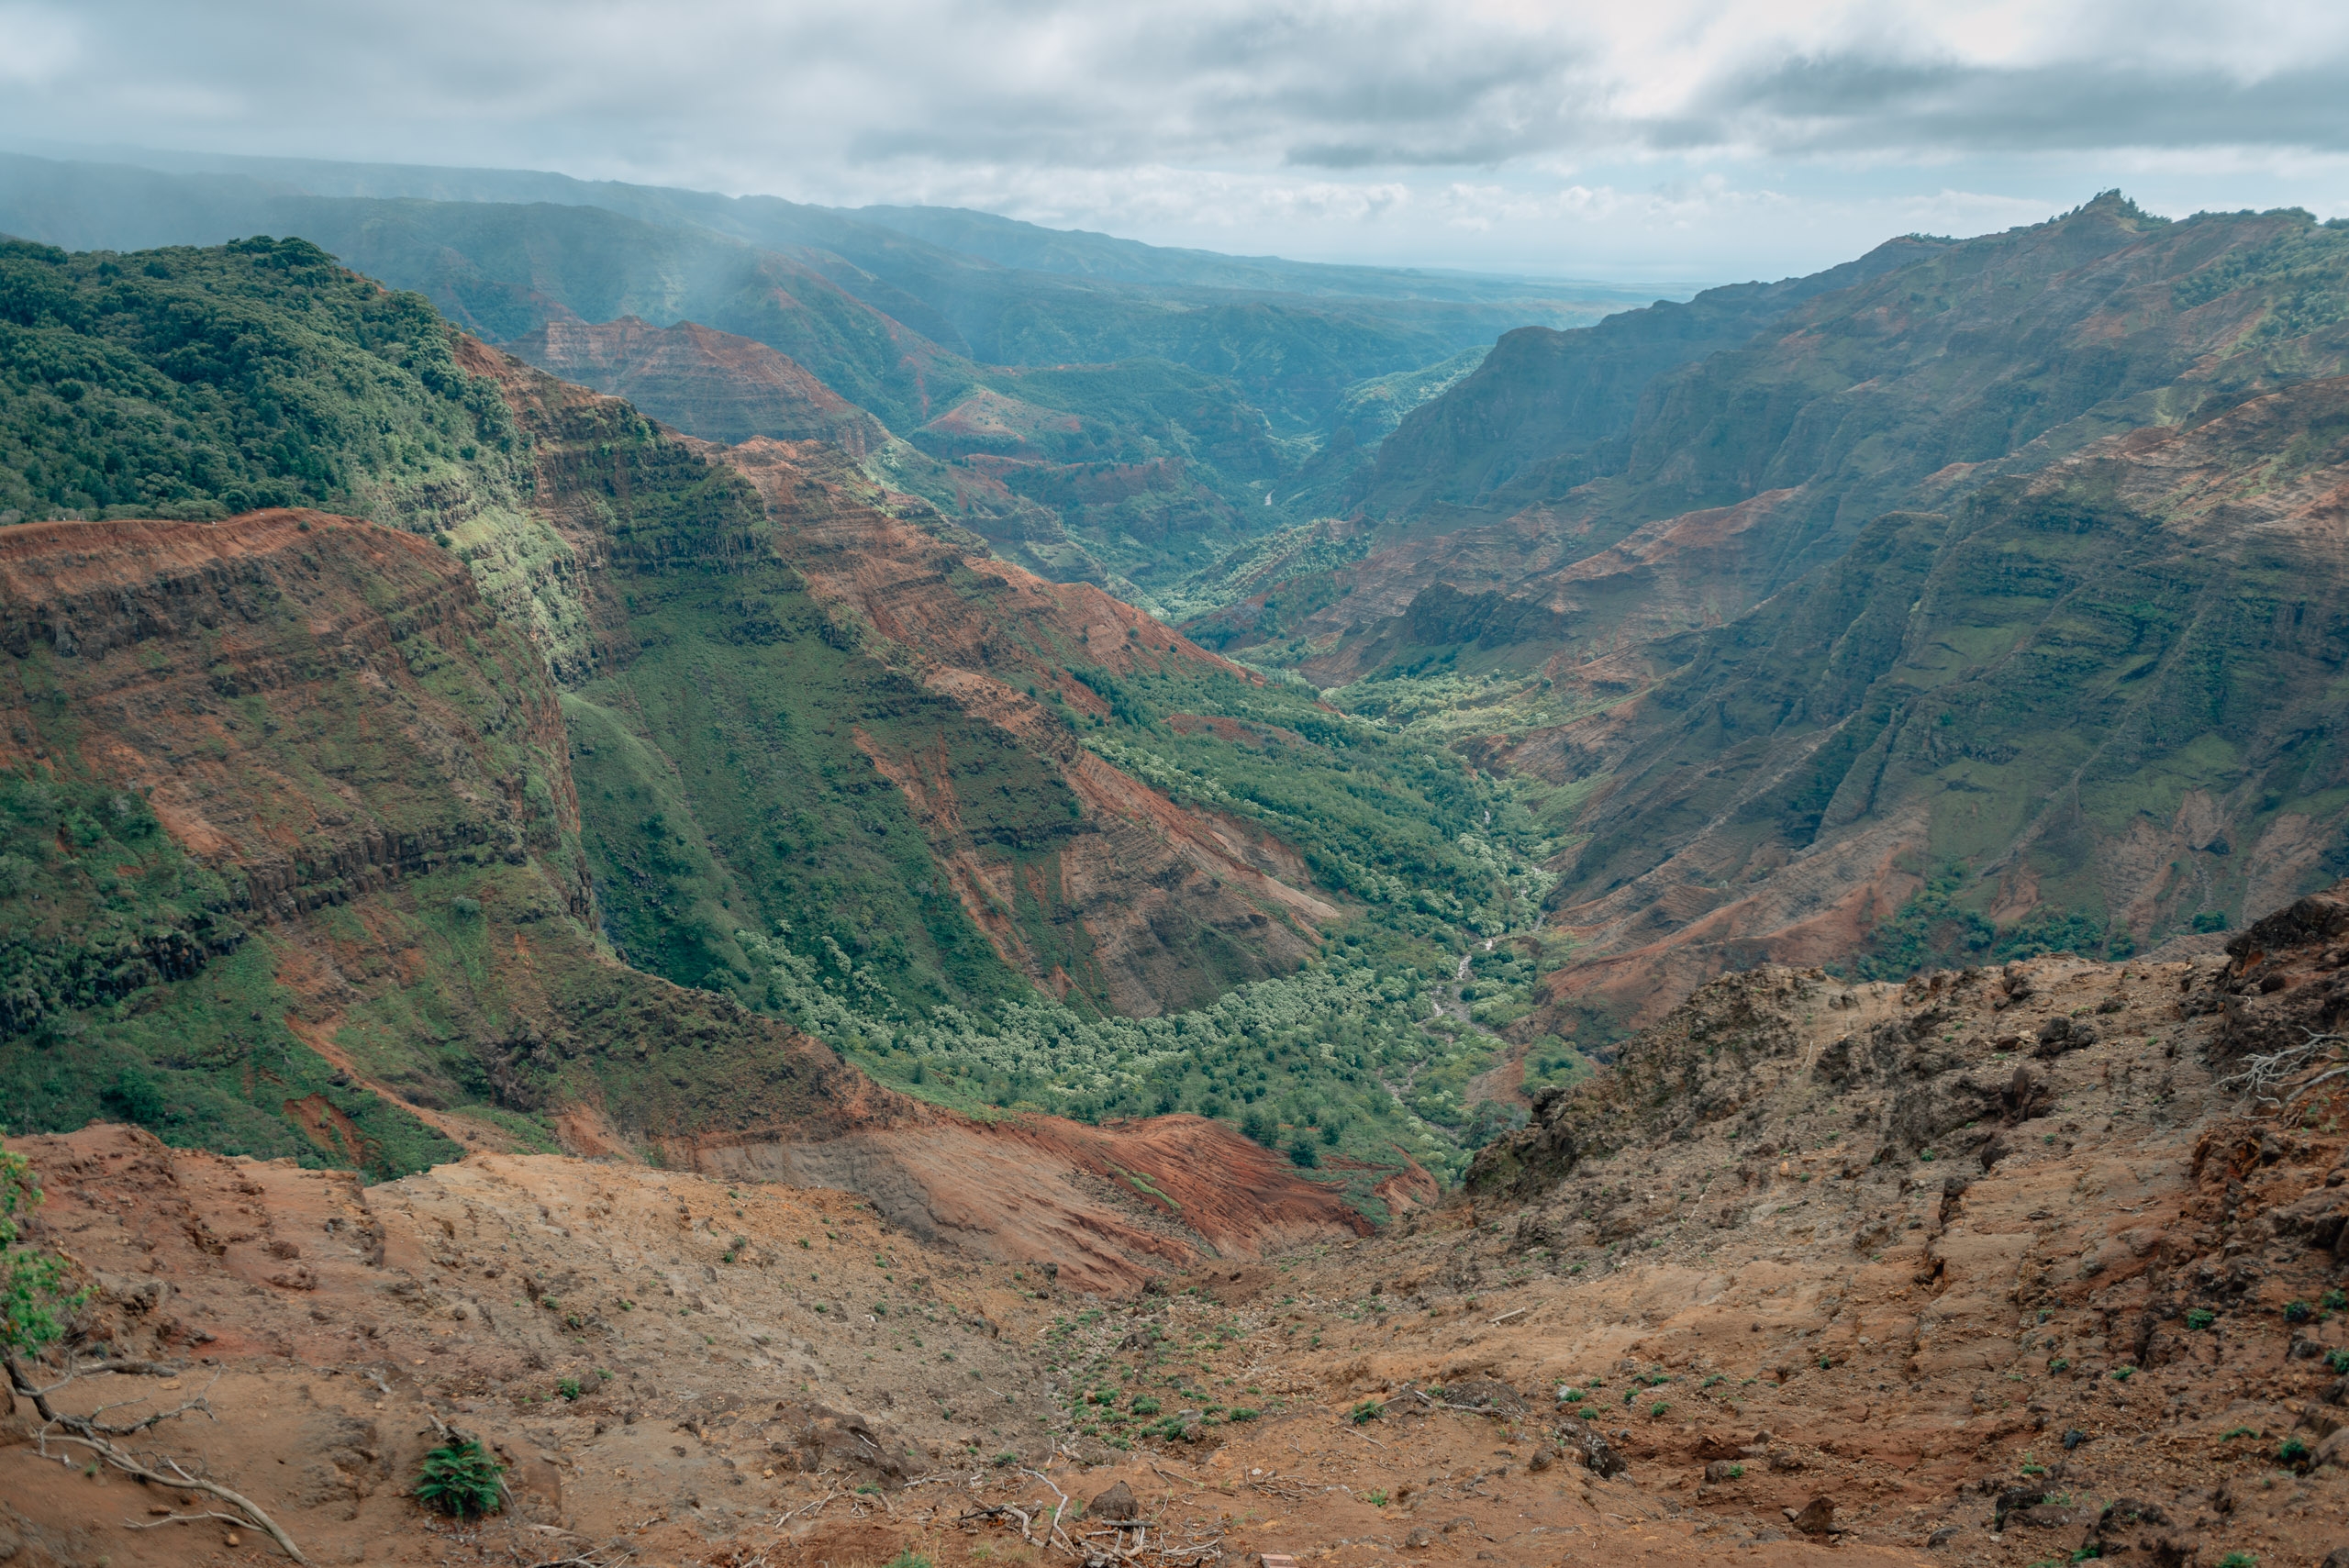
pixel 1664 141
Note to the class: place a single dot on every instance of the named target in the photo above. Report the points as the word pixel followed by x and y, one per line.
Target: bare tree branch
pixel 87 1432
pixel 2263 1076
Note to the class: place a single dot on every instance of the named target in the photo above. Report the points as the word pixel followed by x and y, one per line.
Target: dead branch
pixel 2263 1075
pixel 998 1511
pixel 1054 1529
pixel 84 1431
pixel 2310 1083
pixel 255 1516
pixel 1465 1409
pixel 186 1520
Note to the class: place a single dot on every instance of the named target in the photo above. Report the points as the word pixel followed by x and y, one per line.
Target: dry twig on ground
pixel 99 1436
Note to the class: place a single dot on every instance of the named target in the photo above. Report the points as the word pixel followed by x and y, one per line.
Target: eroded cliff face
pixel 1150 883
pixel 315 705
pixel 884 643
pixel 369 768
pixel 2094 690
pixel 1892 632
pixel 714 384
pixel 388 953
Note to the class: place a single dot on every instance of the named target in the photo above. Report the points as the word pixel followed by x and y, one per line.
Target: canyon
pixel 923 894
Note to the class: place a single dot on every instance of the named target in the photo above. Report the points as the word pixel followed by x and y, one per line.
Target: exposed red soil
pixel 2073 1332
pixel 981 632
pixel 157 632
pixel 295 833
pixel 1043 1189
pixel 722 386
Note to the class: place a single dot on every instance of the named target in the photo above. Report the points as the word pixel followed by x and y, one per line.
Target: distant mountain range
pixel 906 313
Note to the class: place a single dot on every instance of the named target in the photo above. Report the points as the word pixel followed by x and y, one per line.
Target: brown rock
pixel 1816 1516
pixel 1116 1503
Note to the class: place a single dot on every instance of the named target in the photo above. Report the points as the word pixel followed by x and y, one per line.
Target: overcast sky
pixel 1655 141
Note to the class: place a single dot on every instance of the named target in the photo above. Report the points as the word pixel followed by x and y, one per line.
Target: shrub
pixel 461 1479
pixel 1659 1407
pixel 33 1289
pixel 568 1387
pixel 2337 1360
pixel 2199 1317
pixel 2293 1455
pixel 1145 1406
pixel 1367 1411
pixel 2123 1373
pixel 2298 1312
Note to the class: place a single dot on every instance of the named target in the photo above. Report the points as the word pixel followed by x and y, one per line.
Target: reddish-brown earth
pixel 997 641
pixel 1154 888
pixel 281 689
pixel 1995 1268
pixel 714 384
pixel 158 636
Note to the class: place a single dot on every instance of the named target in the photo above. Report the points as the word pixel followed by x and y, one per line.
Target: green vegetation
pixel 102 918
pixel 195 383
pixel 736 831
pixel 36 1291
pixel 1931 930
pixel 461 1479
pixel 743 842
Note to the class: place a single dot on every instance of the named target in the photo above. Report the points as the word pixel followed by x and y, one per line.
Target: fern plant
pixel 462 1480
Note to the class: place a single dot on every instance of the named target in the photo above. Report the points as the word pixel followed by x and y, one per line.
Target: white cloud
pixel 37 44
pixel 1701 134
